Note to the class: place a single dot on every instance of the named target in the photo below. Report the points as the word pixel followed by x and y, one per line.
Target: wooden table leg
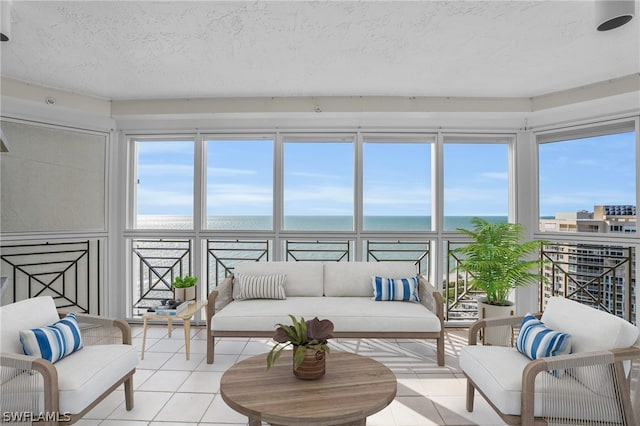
pixel 144 335
pixel 254 422
pixel 187 336
pixel 170 324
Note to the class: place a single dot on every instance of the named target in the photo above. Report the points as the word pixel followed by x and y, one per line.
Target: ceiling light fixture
pixel 5 20
pixel 612 14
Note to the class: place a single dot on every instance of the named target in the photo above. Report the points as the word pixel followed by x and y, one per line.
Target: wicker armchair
pixel 589 386
pixel 34 389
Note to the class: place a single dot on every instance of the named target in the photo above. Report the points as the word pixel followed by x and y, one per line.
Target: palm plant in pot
pixel 498 261
pixel 310 345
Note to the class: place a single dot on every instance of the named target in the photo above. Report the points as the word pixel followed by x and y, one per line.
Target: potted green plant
pixel 498 261
pixel 310 345
pixel 184 288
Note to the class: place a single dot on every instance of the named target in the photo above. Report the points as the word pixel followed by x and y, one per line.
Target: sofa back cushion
pixel 590 329
pixel 353 279
pixel 22 315
pixel 303 278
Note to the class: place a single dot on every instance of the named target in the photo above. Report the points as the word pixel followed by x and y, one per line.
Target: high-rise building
pixel 602 276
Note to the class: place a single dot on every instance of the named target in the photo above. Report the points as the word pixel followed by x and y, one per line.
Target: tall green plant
pixel 497 259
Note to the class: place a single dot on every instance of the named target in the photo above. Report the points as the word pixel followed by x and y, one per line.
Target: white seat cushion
pixel 82 377
pixel 497 371
pixel 348 314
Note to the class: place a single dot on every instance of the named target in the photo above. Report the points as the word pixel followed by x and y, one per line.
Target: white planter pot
pixel 189 293
pixel 498 336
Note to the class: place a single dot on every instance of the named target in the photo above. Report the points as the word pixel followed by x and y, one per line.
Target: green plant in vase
pixel 312 334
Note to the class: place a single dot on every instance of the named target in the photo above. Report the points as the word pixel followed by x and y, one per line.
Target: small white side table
pixel 185 316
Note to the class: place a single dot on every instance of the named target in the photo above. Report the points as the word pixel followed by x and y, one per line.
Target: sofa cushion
pixel 591 330
pixel 54 341
pixel 395 289
pixel 348 314
pixel 303 278
pixel 22 315
pixel 82 377
pixel 497 371
pixel 261 286
pixel 583 322
pixel 353 279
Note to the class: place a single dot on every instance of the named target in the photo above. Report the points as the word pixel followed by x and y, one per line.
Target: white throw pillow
pixel 261 286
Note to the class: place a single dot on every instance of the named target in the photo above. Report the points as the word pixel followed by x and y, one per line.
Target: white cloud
pixel 496 175
pixel 220 171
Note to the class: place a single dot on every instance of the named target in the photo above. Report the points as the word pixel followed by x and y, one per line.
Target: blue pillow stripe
pixel 399 289
pixel 53 342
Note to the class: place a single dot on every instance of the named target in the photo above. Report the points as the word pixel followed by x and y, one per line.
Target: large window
pixel 318 188
pixel 164 184
pixel 587 180
pixel 396 185
pixel 240 183
pixel 476 180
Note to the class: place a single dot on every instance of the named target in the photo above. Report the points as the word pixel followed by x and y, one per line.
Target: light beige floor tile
pixel 415 411
pixel 88 422
pixel 198 346
pixel 202 381
pixel 154 360
pixel 185 407
pixel 165 381
pixel 453 411
pixel 146 406
pixel 233 347
pixel 123 423
pixel 141 376
pixel 256 347
pixel 439 386
pixel 179 361
pixel 167 345
pixel 221 362
pixel 107 405
pixel 220 412
pixel 382 418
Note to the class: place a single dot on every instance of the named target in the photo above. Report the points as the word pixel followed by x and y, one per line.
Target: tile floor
pixel 169 390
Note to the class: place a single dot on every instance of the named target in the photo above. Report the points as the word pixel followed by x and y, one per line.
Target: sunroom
pixel 142 141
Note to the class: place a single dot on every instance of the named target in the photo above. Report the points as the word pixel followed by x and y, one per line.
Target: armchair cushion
pixel 54 341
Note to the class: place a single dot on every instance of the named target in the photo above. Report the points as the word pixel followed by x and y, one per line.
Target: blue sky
pixel 319 177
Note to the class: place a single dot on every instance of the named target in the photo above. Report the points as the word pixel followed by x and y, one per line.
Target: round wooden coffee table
pixel 353 388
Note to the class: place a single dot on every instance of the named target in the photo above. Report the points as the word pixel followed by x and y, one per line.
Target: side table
pixel 185 316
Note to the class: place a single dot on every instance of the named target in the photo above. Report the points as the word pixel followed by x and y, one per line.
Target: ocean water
pixel 309 223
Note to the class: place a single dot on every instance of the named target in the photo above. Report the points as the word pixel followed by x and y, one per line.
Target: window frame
pixel 582 131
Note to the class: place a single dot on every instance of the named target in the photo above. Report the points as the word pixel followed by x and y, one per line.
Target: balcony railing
pixel 68 271
pixel 600 276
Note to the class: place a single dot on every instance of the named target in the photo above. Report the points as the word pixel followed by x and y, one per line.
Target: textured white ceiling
pixel 179 49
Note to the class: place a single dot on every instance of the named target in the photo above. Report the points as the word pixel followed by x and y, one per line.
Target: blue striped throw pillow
pixel 54 341
pixel 399 289
pixel 536 340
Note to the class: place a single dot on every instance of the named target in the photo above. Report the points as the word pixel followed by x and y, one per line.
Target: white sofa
pixel 339 291
pixel 590 384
